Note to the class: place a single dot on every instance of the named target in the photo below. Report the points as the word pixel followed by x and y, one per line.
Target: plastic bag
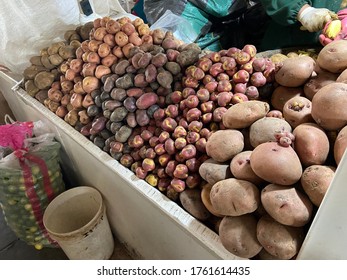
pixel 28 26
pixel 180 27
pixel 210 20
pixel 30 177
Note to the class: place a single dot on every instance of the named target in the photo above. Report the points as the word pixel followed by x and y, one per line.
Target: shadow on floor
pixel 12 248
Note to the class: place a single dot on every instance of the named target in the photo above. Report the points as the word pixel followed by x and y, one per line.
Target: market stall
pixel 231 154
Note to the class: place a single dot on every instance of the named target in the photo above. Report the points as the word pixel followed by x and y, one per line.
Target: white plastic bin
pixel 77 220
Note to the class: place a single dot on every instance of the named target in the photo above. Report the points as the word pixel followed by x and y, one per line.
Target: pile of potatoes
pixel 163 140
pixel 245 144
pixel 271 166
pixel 48 66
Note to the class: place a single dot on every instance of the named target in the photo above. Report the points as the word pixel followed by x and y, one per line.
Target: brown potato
pixel 67 52
pixel 295 71
pixel 240 167
pixel 54 48
pixel 282 94
pixel 234 197
pixel 333 57
pixel 55 59
pixel 316 180
pixel 223 145
pixel 340 145
pixel 297 110
pixel 238 235
pixel 287 205
pixel 263 130
pixel 276 164
pixel 192 203
pixel 43 80
pixel 279 240
pixel 30 88
pixel 311 144
pixel 329 106
pixel 31 71
pixel 213 171
pixel 242 115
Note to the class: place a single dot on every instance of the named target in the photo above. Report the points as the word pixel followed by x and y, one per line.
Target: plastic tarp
pixel 28 26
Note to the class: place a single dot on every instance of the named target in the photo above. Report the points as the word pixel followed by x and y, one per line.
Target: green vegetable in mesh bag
pixel 30 177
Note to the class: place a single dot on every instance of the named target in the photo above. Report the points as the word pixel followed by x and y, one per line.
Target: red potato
pixel 121 38
pixel 276 164
pixel 328 106
pixel 281 241
pixel 282 94
pixel 128 28
pixel 112 26
pixel 135 39
pixel 93 45
pixel 241 169
pixel 109 60
pixel 297 110
pixel 311 144
pixel 316 180
pixel 238 235
pixel 102 70
pixel 90 83
pixel 126 49
pixel 294 72
pixel 287 205
pixel 93 57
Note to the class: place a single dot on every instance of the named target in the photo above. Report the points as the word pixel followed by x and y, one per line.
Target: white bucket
pixel 77 220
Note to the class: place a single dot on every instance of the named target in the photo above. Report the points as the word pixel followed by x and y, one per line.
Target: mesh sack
pixel 30 178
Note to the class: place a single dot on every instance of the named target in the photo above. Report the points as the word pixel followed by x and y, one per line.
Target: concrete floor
pixel 12 248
